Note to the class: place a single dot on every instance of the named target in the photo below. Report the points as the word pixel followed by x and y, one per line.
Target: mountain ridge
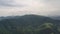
pixel 26 23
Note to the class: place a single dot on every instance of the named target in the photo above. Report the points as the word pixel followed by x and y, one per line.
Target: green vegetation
pixel 29 24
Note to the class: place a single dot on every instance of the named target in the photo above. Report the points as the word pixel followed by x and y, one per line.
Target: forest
pixel 29 24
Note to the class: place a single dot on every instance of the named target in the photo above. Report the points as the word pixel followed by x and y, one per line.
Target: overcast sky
pixel 22 7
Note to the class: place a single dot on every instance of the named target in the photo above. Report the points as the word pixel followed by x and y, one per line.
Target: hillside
pixel 29 24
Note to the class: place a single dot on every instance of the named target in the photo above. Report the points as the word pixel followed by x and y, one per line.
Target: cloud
pixel 21 7
pixel 10 3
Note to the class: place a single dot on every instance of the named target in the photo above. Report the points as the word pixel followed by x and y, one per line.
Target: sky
pixel 22 7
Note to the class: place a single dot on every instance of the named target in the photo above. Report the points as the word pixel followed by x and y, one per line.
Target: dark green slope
pixel 27 24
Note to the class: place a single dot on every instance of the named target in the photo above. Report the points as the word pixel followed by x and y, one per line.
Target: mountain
pixel 29 24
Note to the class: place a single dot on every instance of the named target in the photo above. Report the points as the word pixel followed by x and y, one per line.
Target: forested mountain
pixel 29 24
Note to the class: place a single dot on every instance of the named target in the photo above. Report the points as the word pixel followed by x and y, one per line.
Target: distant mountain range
pixel 56 17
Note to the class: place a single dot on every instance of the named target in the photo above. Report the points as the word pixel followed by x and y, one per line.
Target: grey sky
pixel 21 7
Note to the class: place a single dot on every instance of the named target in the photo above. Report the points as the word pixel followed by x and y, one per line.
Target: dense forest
pixel 29 24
